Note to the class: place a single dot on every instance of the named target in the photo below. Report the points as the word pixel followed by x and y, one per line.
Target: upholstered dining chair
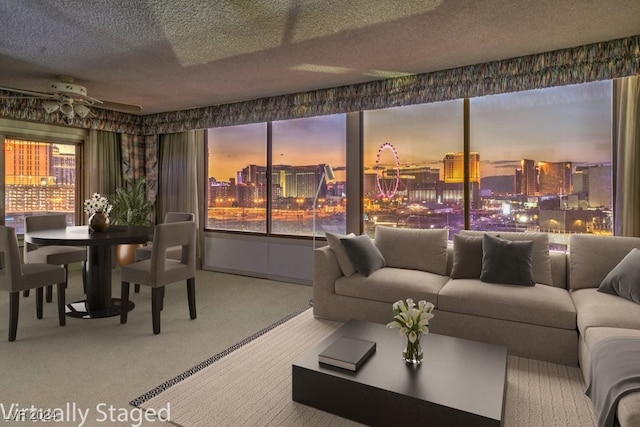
pixel 160 270
pixel 52 254
pixel 16 277
pixel 173 253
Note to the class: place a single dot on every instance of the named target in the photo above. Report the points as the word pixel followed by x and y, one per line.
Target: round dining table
pixel 99 302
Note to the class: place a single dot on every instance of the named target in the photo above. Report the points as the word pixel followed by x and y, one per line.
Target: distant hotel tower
pixel 454 167
pixel 555 178
pixel 453 191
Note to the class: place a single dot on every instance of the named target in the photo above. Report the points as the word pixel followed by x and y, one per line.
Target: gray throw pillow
pixel 467 257
pixel 341 255
pixel 624 279
pixel 541 258
pixel 363 253
pixel 505 261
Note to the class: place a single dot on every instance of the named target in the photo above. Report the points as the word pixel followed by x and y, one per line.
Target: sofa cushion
pixel 505 261
pixel 392 284
pixel 604 310
pixel 624 279
pixel 341 255
pixel 537 305
pixel 412 248
pixel 467 257
pixel 541 261
pixel 363 253
pixel 592 257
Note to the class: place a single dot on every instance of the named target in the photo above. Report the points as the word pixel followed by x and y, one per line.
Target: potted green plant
pixel 131 207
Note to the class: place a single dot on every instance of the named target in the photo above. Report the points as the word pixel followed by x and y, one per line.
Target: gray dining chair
pixel 16 277
pixel 160 270
pixel 173 253
pixel 52 254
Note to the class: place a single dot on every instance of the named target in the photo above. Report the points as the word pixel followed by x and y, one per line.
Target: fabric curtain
pixel 103 165
pixel 181 166
pixel 626 156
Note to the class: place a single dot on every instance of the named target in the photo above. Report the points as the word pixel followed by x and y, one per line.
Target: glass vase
pixel 413 352
pixel 99 221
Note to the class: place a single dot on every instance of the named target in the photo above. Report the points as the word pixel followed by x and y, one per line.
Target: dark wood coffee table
pixel 460 382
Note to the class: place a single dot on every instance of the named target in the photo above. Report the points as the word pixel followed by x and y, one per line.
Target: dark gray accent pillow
pixel 624 279
pixel 363 253
pixel 467 257
pixel 505 261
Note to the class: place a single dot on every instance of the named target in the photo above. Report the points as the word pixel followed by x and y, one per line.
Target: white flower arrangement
pixel 412 321
pixel 97 203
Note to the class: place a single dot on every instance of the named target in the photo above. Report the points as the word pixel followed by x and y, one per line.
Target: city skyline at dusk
pixel 570 123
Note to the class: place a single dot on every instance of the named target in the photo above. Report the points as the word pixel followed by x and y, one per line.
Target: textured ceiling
pixel 167 55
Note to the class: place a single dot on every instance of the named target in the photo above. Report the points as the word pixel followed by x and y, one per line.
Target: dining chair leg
pixel 66 275
pixel 156 301
pixel 162 298
pixel 49 296
pixel 39 303
pixel 14 306
pixel 136 289
pixel 62 318
pixel 124 302
pixel 191 296
pixel 25 293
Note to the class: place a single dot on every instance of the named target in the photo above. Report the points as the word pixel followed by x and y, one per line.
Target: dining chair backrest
pixel 178 217
pixel 10 265
pixel 42 222
pixel 168 235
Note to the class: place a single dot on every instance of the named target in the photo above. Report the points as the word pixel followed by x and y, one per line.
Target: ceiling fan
pixel 69 98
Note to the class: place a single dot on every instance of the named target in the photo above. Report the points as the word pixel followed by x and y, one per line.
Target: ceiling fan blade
pixel 30 93
pixel 116 106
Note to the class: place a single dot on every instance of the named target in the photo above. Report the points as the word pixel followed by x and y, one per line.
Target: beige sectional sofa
pixel 558 319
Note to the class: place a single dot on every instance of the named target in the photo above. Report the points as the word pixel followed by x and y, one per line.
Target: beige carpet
pixel 250 385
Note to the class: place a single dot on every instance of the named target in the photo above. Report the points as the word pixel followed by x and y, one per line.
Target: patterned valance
pixel 598 61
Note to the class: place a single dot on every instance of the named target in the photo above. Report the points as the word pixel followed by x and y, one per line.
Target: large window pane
pixel 412 167
pixel 237 186
pixel 40 178
pixel 301 149
pixel 545 160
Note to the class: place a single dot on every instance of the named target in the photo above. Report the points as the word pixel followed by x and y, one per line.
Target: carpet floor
pixel 250 385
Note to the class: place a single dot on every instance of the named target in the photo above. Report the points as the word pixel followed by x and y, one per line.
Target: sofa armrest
pixel 325 273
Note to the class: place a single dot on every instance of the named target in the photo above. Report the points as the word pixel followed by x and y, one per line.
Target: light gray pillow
pixel 363 253
pixel 541 260
pixel 467 257
pixel 415 249
pixel 505 261
pixel 338 249
pixel 624 279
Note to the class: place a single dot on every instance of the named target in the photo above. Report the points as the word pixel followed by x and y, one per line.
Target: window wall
pixel 40 178
pixel 237 178
pixel 413 167
pixel 533 160
pixel 244 190
pixel 544 161
pixel 301 149
pixel 537 160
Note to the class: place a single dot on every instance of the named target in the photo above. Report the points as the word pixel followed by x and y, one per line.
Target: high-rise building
pixel 600 187
pixel 28 162
pixel 453 171
pixel 528 177
pixel 555 178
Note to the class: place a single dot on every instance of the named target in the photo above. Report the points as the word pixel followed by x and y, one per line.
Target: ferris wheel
pixel 387 183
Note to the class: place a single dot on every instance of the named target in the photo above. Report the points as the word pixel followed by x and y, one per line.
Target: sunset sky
pixel 570 123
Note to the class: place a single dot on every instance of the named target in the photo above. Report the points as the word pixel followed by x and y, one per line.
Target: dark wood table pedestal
pixel 99 302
